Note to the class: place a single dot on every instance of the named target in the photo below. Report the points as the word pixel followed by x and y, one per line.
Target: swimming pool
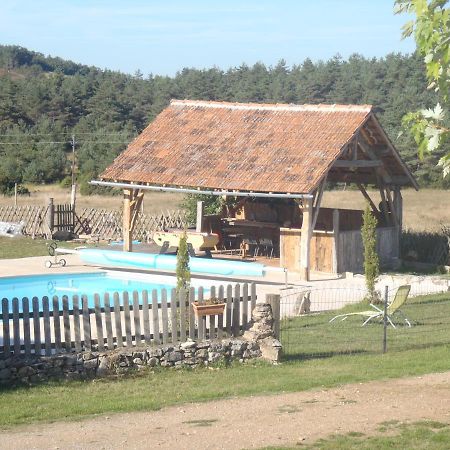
pixel 80 284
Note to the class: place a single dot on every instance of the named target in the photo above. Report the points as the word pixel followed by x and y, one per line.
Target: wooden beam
pixel 391 206
pixel 394 151
pixel 317 202
pixel 135 206
pixel 367 197
pixel 126 224
pixel 381 170
pixel 398 206
pixel 357 163
pixel 336 267
pixel 199 218
pixel 305 239
pixel 385 209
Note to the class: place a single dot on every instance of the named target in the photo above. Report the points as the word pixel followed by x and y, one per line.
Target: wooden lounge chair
pixel 377 313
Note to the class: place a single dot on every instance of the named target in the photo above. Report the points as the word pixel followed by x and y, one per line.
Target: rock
pixel 214 357
pixel 188 345
pixel 2 364
pixel 155 352
pixel 103 368
pixel 190 361
pixel 5 374
pixel 25 371
pixel 202 353
pixel 203 344
pixel 140 355
pixel 88 355
pixel 138 361
pixel 270 349
pixel 70 360
pixel 174 356
pixel 153 362
pixel 91 364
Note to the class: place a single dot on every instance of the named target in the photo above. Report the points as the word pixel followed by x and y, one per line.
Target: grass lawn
pixel 425 435
pixel 313 336
pixel 154 390
pixel 23 247
pixel 318 355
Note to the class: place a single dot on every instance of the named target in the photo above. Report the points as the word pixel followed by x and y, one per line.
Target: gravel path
pixel 253 422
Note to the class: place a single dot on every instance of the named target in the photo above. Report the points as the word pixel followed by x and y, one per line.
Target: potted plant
pixel 210 307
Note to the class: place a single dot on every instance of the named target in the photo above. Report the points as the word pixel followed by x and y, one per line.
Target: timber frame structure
pixel 263 151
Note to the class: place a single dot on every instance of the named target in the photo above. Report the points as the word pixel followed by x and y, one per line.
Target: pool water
pixel 77 284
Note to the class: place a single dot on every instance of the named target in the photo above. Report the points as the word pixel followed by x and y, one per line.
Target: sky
pixel 163 37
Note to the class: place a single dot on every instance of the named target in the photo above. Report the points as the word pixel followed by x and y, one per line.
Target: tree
pixel 183 271
pixel 371 260
pixel 431 31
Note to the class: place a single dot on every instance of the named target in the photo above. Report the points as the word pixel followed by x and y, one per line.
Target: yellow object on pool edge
pixel 199 241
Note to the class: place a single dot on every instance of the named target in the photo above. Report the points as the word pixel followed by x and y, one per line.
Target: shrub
pixel 371 260
pixel 183 271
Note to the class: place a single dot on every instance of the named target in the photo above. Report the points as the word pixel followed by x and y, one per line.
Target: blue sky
pixel 162 37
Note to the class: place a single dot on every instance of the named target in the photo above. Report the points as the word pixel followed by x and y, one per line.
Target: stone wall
pixel 257 342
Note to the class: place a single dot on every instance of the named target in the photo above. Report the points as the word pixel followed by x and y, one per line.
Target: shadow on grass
pixel 322 355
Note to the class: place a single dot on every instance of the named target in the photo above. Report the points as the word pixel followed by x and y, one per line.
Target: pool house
pixel 270 163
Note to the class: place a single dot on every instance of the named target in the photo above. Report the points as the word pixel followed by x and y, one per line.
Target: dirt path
pixel 250 422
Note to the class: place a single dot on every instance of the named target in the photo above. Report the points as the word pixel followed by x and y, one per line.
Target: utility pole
pixel 74 186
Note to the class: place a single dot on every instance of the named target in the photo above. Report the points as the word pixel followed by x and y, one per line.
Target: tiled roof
pixel 239 146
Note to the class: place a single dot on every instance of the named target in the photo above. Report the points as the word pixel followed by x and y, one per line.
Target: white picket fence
pixel 57 325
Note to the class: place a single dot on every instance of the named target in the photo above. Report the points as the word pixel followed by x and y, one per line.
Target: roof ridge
pixel 273 106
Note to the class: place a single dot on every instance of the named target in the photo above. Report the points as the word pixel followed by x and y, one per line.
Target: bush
pixel 371 260
pixel 183 271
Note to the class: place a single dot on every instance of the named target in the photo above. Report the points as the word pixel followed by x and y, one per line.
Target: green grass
pixel 23 247
pixel 152 391
pixel 319 355
pixel 312 335
pixel 420 435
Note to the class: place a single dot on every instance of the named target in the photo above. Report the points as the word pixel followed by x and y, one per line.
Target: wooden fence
pixel 53 326
pixel 351 249
pixel 107 224
pixel 42 221
pixel 35 218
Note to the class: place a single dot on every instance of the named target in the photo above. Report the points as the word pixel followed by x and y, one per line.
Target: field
pixel 423 210
pixel 154 202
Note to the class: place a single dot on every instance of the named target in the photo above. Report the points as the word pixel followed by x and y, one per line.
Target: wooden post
pixel 127 231
pixel 51 215
pixel 274 301
pixel 398 207
pixel 336 241
pixel 305 240
pixel 199 222
pixel 73 196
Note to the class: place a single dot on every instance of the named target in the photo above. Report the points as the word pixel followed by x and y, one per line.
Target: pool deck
pixel 272 283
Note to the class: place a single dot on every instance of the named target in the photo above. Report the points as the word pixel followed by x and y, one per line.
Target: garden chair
pixel 377 313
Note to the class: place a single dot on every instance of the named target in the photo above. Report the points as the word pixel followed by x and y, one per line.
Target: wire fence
pixel 319 322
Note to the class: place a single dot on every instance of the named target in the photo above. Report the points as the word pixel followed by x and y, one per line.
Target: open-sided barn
pixel 276 159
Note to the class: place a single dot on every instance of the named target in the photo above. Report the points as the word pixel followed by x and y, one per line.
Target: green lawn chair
pixel 377 313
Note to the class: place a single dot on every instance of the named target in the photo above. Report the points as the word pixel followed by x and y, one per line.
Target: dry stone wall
pixel 257 342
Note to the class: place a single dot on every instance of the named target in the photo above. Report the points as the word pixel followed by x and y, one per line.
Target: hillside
pixel 45 100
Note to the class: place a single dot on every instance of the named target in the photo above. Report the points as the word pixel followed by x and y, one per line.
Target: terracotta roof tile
pixel 242 146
